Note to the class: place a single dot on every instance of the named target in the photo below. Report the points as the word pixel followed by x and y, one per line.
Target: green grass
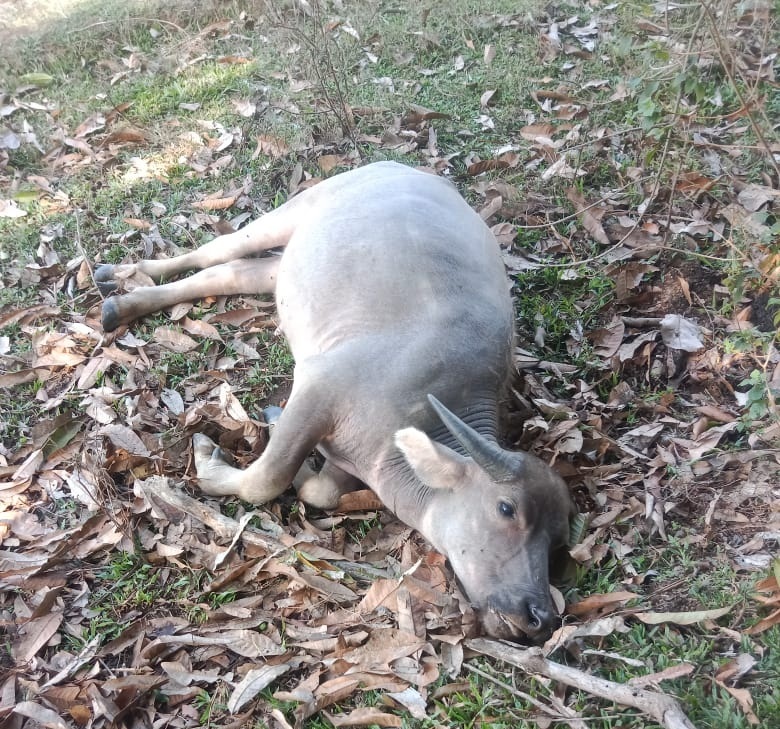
pixel 128 586
pixel 420 50
pixel 558 302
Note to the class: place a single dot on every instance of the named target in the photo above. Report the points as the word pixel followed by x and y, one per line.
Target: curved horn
pixel 498 464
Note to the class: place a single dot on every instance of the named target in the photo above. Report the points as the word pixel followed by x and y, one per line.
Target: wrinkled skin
pixel 390 289
pixel 506 532
pixel 509 584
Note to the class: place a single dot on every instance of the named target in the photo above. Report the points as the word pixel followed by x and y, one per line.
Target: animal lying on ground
pixel 395 301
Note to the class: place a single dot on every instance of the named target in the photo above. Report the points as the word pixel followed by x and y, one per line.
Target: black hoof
pixel 104 278
pixel 222 456
pixel 110 316
pixel 271 414
pixel 104 272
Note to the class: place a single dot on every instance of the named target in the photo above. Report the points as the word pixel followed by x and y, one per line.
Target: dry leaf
pixel 680 333
pixel 364 716
pixel 40 715
pixel 126 439
pixel 174 340
pixel 668 674
pixel 272 146
pixel 216 203
pixel 607 341
pixel 589 216
pixel 255 681
pixel 683 618
pixel 477 168
pixel 601 603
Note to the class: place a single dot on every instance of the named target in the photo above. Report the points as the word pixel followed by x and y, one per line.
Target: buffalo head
pixel 499 517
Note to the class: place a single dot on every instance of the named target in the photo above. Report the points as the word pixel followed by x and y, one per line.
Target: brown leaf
pixel 768 622
pixel 504 233
pixel 743 699
pixel 328 162
pixel 383 646
pixel 233 59
pixel 668 674
pixel 552 95
pixel 589 217
pixel 40 715
pixel 271 146
pixel 607 340
pixel 37 634
pixel 93 369
pixel 200 328
pixel 29 314
pixel 381 593
pixel 694 182
pixel 126 135
pixel 90 125
pixel 686 289
pixel 713 413
pixel 420 114
pixel 364 716
pixel 487 97
pixel 362 500
pixel 255 681
pixel 80 145
pixel 137 223
pixel 477 168
pixel 126 439
pixel 215 203
pixel 736 668
pixel 627 276
pixel 246 643
pixel 600 604
pixel 18 378
pixel 689 617
pixel 532 131
pixel 174 340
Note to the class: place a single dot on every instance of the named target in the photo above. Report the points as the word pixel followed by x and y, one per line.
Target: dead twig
pixel 728 64
pixel 173 502
pixel 661 707
pixel 560 713
pixel 160 494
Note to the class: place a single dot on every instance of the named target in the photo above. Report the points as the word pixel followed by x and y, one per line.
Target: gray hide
pixel 391 289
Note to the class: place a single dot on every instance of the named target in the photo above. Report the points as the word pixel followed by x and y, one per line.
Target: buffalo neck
pixel 403 492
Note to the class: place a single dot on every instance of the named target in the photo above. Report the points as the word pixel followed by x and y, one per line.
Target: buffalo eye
pixel 506 509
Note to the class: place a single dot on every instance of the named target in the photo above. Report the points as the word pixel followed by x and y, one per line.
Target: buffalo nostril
pixel 534 620
pixel 539 618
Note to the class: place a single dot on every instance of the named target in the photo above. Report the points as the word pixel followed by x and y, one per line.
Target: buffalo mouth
pixel 534 622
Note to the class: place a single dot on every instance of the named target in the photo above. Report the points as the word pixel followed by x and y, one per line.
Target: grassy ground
pixel 120 119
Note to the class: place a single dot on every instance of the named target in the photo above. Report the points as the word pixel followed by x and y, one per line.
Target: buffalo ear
pixel 434 464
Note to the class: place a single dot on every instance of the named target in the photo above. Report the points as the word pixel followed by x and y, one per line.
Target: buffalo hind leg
pixel 324 489
pixel 247 276
pixel 272 230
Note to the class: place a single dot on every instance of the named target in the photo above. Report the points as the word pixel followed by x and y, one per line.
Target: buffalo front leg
pixel 249 276
pixel 300 427
pixel 321 489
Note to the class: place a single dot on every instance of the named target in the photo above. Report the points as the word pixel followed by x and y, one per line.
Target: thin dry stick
pixel 661 707
pixel 173 502
pixel 569 716
pixel 131 19
pixel 330 81
pixel 727 61
pixel 657 179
